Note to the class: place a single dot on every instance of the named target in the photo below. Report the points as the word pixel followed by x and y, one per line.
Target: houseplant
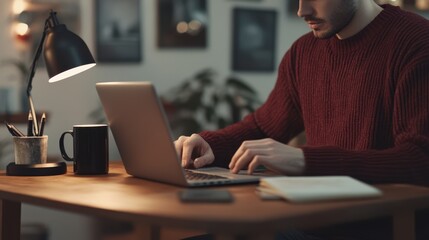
pixel 202 103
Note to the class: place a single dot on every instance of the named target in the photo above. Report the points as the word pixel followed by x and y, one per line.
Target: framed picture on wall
pixel 254 35
pixel 182 23
pixel 118 37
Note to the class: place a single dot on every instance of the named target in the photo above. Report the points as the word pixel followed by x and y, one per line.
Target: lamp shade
pixel 65 53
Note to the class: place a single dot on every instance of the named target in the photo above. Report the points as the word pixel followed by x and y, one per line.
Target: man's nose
pixel 304 9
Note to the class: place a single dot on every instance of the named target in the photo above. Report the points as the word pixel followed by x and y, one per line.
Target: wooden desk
pixel 150 206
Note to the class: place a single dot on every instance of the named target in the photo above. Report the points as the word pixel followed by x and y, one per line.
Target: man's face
pixel 327 17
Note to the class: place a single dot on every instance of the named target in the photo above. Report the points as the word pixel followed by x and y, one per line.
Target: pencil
pixel 30 125
pixel 42 124
pixel 13 130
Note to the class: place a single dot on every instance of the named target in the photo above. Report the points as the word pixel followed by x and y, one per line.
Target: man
pixel 358 85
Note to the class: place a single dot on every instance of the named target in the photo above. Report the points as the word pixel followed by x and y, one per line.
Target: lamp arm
pixel 31 76
pixel 36 58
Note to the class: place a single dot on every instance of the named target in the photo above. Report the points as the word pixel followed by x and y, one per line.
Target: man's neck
pixel 366 12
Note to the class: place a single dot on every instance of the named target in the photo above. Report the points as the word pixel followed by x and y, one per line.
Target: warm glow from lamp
pixel 19 6
pixel 21 29
pixel 71 72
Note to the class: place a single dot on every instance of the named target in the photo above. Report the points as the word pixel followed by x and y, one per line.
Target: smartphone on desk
pixel 206 195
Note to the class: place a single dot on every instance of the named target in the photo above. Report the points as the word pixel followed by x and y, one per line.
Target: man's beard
pixel 338 20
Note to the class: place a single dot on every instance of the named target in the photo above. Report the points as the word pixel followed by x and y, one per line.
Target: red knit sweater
pixel 363 103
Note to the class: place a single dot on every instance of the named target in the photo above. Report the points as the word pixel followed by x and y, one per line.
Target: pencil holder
pixel 31 149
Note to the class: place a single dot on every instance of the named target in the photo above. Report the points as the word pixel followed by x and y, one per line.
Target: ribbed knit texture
pixel 363 102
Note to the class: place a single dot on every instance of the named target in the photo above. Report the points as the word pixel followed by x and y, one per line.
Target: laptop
pixel 144 140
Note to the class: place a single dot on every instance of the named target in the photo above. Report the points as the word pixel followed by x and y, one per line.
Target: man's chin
pixel 322 34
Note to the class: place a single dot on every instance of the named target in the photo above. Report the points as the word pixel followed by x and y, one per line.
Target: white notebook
pixel 308 189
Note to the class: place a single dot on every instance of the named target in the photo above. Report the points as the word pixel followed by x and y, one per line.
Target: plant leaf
pixel 194 101
pixel 234 109
pixel 209 113
pixel 205 73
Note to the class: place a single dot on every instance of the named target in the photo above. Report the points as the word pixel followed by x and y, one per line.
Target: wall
pixel 70 102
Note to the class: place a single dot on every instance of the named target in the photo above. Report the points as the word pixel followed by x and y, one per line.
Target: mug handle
pixel 62 149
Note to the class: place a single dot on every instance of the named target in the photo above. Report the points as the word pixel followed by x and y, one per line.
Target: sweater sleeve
pixel 277 118
pixel 408 160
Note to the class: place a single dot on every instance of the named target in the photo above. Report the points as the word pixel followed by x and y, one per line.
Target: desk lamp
pixel 66 55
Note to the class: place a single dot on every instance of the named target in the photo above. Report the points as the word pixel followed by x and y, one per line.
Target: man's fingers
pixel 190 149
pixel 201 161
pixel 184 150
pixel 194 151
pixel 240 162
pixel 245 155
pixel 235 158
pixel 259 144
pixel 240 151
pixel 187 149
pixel 257 160
pixel 178 146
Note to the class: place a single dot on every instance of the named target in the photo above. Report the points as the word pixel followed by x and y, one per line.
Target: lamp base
pixel 44 169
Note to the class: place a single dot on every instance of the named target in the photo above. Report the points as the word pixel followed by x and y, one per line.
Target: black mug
pixel 90 148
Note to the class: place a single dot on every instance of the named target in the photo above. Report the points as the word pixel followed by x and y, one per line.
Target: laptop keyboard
pixel 190 175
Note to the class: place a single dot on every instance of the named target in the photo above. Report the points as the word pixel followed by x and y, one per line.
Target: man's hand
pixel 273 155
pixel 194 151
